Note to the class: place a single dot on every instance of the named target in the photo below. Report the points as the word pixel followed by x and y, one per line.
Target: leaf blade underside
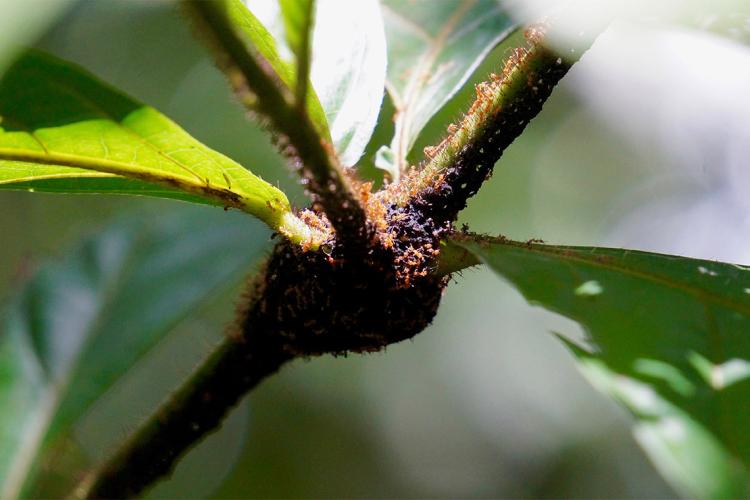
pixel 669 338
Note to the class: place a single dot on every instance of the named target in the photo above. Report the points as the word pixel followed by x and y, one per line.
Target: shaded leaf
pixel 82 322
pixel 668 337
pixel 60 128
pixel 433 47
pixel 454 258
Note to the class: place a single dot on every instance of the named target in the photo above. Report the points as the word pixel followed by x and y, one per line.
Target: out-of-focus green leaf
pixel 61 127
pixel 668 337
pixel 433 47
pixel 22 21
pixel 298 21
pixel 734 24
pixel 262 40
pixel 82 322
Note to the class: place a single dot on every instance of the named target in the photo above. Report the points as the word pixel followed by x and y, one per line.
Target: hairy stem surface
pixel 236 366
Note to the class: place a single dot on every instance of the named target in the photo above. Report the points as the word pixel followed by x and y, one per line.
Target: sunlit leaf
pixel 348 66
pixel 433 47
pixel 668 337
pixel 80 323
pixel 262 24
pixel 61 128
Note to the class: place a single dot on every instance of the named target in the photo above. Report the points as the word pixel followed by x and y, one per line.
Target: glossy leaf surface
pixel 668 337
pixel 348 67
pixel 254 18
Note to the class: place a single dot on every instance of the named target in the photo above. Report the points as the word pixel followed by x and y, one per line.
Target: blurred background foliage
pixel 485 403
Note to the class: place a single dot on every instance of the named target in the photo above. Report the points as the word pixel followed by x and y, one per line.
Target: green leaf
pixel 668 337
pixel 348 72
pixel 298 21
pixel 261 39
pixel 60 127
pixel 433 47
pixel 348 65
pixel 82 322
pixel 22 22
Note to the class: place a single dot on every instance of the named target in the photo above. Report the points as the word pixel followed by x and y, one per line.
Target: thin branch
pixel 303 58
pixel 505 104
pixel 197 408
pixel 298 21
pixel 405 105
pixel 320 169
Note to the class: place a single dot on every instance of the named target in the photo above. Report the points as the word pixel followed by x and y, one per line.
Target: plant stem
pixel 504 106
pixel 307 304
pixel 403 137
pixel 302 12
pixel 324 176
pixel 198 407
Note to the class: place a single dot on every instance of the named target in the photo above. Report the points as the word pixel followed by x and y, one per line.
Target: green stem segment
pixel 298 21
pixel 248 72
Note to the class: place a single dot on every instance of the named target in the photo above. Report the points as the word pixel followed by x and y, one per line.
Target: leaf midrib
pixel 61 175
pixel 717 349
pixel 225 195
